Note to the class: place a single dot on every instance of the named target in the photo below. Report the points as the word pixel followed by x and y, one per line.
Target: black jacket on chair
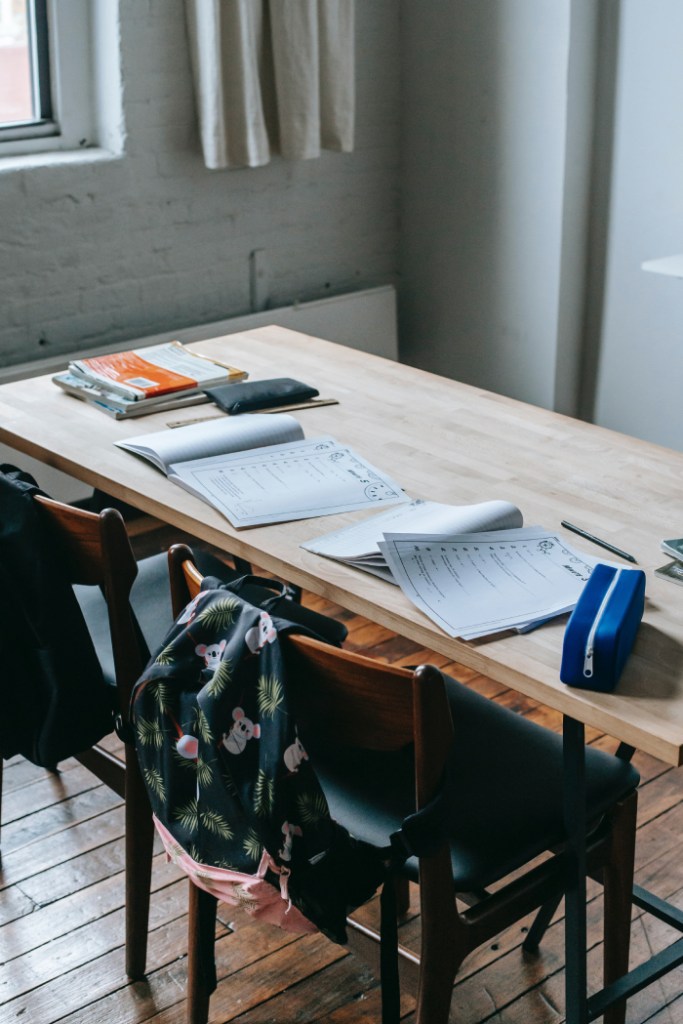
pixel 54 700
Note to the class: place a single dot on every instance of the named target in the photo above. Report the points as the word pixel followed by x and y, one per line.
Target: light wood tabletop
pixel 440 440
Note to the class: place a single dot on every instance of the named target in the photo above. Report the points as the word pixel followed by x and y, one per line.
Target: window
pixel 46 87
pixel 25 93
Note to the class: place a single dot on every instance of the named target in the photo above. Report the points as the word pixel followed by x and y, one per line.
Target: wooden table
pixel 442 440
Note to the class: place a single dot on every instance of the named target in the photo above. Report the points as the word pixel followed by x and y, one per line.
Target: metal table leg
pixel 574 790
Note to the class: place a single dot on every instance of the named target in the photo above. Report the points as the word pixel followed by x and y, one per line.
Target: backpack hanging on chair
pixel 235 799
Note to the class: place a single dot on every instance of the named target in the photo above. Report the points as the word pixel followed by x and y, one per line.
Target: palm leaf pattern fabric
pixel 226 774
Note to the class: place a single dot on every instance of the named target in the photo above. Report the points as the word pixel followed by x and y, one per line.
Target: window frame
pixel 61 38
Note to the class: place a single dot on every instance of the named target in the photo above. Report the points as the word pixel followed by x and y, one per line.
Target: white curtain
pixel 272 76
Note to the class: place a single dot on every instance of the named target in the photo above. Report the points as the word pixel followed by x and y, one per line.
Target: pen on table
pixel 596 540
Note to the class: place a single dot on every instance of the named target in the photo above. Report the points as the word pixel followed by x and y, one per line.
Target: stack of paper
pixel 473 569
pixel 482 583
pixel 359 544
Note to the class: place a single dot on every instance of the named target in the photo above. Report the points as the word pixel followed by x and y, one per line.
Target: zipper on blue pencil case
pixel 602 629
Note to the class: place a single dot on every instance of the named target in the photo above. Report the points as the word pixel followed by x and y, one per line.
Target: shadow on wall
pixel 452 175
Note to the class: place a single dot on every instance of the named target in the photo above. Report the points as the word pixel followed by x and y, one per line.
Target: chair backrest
pixel 352 700
pixel 94 549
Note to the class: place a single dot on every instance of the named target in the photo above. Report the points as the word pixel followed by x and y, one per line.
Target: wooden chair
pixel 380 738
pixel 127 608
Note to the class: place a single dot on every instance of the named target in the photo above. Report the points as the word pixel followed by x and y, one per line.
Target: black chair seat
pixel 506 796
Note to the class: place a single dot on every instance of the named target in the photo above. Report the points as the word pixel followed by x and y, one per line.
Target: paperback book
pixel 129 383
pixel 672 571
pixel 117 405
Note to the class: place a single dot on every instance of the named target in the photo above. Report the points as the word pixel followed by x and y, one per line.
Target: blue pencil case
pixel 602 628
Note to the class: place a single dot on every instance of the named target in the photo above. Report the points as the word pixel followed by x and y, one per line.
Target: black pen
pixel 596 540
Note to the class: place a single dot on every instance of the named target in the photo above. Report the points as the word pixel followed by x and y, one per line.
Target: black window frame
pixel 39 41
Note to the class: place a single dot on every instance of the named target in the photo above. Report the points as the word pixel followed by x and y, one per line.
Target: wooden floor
pixel 61 917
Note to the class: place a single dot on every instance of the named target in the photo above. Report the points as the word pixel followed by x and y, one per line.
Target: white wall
pixel 97 251
pixel 639 366
pixel 483 143
pixel 542 163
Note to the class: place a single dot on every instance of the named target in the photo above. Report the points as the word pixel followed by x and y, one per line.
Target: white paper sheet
pixel 317 477
pixel 479 584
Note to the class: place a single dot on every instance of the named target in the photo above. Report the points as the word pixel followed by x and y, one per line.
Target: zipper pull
pixel 590 648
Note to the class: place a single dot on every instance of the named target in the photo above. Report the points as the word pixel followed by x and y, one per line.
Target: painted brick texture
pixel 98 251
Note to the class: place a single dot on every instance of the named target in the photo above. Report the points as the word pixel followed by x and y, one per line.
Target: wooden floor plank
pixel 52 820
pixel 57 847
pixel 43 793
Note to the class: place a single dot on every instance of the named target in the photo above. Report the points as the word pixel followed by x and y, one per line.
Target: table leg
pixel 574 790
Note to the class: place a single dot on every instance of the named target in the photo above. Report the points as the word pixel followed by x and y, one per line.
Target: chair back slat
pixel 352 699
pixel 91 545
pixel 76 533
pixel 95 550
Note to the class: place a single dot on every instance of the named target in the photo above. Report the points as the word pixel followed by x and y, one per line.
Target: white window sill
pixel 56 158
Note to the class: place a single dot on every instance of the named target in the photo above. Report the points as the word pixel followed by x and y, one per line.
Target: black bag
pixel 55 701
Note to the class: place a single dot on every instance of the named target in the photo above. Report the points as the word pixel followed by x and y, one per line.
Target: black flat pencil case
pixel 250 395
pixel 602 628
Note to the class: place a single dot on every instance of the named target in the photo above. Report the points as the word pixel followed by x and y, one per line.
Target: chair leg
pixel 540 923
pixel 201 966
pixel 139 844
pixel 402 891
pixel 442 949
pixel 618 891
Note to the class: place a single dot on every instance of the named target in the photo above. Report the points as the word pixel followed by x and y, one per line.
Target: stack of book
pixel 139 381
pixel 672 571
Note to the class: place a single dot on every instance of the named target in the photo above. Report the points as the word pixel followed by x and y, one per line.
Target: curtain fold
pixel 272 76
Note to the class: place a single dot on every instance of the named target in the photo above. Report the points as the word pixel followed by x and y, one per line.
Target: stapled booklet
pixel 258 468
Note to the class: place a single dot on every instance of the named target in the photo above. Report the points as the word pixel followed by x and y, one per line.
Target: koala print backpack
pixel 235 799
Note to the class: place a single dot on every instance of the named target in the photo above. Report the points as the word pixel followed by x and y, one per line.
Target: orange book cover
pixel 131 369
pixel 157 370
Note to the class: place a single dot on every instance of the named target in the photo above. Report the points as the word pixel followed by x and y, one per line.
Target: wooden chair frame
pixel 96 551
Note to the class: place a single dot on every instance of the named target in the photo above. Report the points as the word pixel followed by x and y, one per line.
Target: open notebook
pixel 258 468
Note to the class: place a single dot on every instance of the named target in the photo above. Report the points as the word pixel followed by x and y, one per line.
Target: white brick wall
pixel 97 251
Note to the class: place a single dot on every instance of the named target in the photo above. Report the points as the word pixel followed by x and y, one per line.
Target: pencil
pixel 596 540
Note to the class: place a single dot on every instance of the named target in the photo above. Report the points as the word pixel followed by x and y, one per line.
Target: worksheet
pixel 482 583
pixel 281 482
